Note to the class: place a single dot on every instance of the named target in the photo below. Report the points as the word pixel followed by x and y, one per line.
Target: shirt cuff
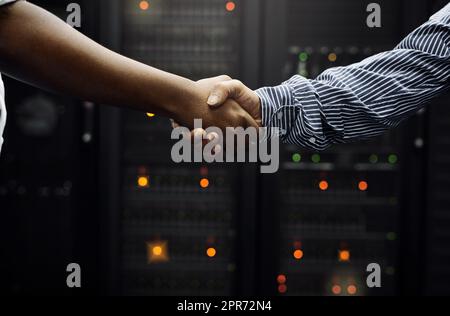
pixel 278 110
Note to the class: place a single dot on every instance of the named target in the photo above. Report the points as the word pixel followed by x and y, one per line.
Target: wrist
pixel 186 101
pixel 180 98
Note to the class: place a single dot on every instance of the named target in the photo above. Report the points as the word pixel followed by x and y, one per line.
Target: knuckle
pixel 225 77
pixel 237 82
pixel 218 86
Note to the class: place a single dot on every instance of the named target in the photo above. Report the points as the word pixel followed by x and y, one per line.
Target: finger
pixel 250 122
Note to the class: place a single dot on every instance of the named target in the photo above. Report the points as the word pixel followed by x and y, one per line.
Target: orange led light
pixel 323 185
pixel 230 6
pixel 211 252
pixel 282 288
pixel 351 289
pixel 204 183
pixel 281 279
pixel 144 5
pixel 336 289
pixel 157 250
pixel 363 185
pixel 332 57
pixel 298 254
pixel 344 255
pixel 142 182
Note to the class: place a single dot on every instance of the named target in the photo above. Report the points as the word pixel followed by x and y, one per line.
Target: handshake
pixel 224 104
pixel 220 102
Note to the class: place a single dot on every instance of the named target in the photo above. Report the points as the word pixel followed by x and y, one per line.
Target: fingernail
pixel 213 99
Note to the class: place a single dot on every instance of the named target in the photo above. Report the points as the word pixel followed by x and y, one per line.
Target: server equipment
pixel 177 225
pixel 311 229
pixel 338 210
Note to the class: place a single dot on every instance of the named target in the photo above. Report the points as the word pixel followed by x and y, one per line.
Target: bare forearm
pixel 38 48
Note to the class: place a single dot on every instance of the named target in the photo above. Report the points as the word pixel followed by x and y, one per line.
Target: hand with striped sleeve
pixel 354 102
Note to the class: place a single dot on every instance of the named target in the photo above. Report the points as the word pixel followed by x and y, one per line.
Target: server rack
pixel 175 229
pixel 344 208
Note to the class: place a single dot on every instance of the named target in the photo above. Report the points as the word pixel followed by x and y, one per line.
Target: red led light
pixel 281 279
pixel 144 5
pixel 336 289
pixel 363 185
pixel 323 185
pixel 351 289
pixel 298 254
pixel 230 6
pixel 282 288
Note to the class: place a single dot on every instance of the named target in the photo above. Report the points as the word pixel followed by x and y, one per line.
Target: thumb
pixel 224 90
pixel 217 98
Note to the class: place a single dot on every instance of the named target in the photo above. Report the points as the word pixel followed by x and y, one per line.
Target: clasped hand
pixel 230 104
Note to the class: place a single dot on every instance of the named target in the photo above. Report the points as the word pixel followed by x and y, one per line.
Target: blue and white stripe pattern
pixel 365 99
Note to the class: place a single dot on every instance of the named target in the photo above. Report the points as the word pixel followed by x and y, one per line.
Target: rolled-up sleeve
pixel 364 99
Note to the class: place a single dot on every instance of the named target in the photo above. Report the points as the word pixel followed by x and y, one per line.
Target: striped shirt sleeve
pixel 364 99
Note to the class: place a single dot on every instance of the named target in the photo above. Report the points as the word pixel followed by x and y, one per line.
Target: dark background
pixel 69 170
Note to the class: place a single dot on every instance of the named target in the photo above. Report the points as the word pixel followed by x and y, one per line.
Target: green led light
pixel 391 236
pixel 373 158
pixel 315 158
pixel 392 159
pixel 296 157
pixel 303 56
